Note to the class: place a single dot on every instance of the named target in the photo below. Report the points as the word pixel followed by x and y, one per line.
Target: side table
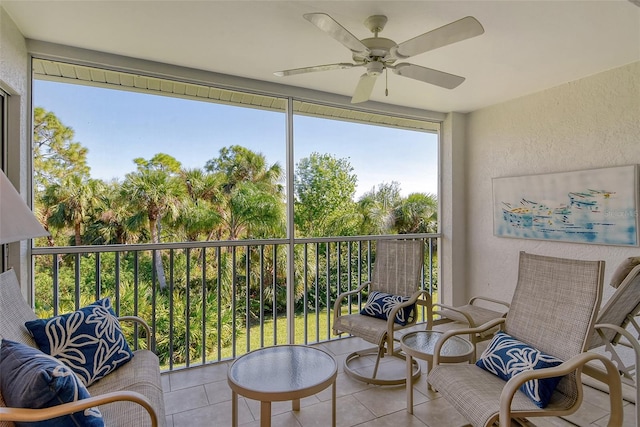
pixel 283 372
pixel 420 344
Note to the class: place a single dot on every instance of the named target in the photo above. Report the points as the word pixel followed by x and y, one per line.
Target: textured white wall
pixel 589 123
pixel 452 251
pixel 14 79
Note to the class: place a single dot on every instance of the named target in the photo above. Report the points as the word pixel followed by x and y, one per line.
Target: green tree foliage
pixel 376 208
pixel 199 217
pixel 55 154
pixel 71 203
pixel 239 164
pixel 114 222
pixel 58 162
pixel 156 190
pixel 418 213
pixel 324 188
pixel 251 203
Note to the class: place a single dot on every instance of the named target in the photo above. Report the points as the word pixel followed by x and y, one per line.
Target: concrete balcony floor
pixel 200 396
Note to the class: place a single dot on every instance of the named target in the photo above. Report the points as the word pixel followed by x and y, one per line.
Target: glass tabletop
pixel 283 368
pixel 425 342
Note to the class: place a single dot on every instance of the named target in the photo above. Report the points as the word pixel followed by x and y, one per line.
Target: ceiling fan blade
pixel 315 68
pixel 459 30
pixel 364 88
pixel 337 31
pixel 428 75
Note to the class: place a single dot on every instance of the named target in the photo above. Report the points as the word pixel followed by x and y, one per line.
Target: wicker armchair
pixel 129 396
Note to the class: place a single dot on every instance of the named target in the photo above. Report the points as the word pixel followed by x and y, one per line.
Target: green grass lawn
pixel 318 329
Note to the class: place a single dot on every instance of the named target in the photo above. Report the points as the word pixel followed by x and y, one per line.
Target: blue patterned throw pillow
pixel 32 379
pixel 380 305
pixel 89 341
pixel 506 357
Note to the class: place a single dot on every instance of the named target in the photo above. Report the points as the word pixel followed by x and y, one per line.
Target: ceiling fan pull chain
pixel 386 82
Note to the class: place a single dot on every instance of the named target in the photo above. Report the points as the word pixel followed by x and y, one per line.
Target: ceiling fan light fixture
pixel 375 68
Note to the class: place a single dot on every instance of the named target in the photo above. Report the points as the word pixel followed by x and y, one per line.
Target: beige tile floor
pixel 201 397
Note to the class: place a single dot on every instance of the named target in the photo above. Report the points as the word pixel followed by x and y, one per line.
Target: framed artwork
pixel 597 206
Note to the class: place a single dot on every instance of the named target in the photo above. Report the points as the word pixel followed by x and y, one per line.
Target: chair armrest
pixel 337 305
pixel 31 415
pixel 575 364
pixel 466 315
pixel 495 301
pixel 141 322
pixel 449 307
pixel 463 331
pixel 601 376
pixel 413 300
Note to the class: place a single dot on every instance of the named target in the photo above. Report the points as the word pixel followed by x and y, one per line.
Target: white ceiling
pixel 527 46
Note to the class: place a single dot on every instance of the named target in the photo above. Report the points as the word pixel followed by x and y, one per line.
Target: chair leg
pixel 375 369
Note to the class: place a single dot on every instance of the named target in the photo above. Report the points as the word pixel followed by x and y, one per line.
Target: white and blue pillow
pixel 32 379
pixel 506 357
pixel 380 304
pixel 89 341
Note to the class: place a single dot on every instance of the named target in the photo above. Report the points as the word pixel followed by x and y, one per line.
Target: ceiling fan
pixel 378 54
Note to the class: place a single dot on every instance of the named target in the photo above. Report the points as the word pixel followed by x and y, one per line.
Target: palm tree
pixel 72 202
pixel 252 200
pixel 376 208
pixel 199 215
pixel 250 212
pixel 418 213
pixel 155 189
pixel 114 221
pixel 239 164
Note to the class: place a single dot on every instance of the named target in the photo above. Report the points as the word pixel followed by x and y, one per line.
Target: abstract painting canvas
pixel 597 206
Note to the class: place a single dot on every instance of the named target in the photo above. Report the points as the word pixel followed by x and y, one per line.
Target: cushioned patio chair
pixel 473 314
pixel 394 290
pixel 614 326
pixel 533 367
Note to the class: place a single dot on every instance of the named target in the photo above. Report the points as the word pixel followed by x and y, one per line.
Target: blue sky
pixel 118 126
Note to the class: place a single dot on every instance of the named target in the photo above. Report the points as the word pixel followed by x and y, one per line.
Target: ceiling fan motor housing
pixel 379 47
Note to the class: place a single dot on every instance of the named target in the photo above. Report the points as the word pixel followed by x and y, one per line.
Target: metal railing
pixel 215 300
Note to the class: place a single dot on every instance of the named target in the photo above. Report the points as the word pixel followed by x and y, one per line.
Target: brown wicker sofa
pixel 129 396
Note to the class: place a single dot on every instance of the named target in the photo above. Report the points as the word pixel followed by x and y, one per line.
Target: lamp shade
pixel 17 222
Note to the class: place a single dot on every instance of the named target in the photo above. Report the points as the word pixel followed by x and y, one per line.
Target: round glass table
pixel 283 372
pixel 420 344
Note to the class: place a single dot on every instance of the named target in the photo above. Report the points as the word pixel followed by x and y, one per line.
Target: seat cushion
pixel 32 379
pixel 475 393
pixel 506 357
pixel 89 341
pixel 370 329
pixel 380 305
pixel 142 375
